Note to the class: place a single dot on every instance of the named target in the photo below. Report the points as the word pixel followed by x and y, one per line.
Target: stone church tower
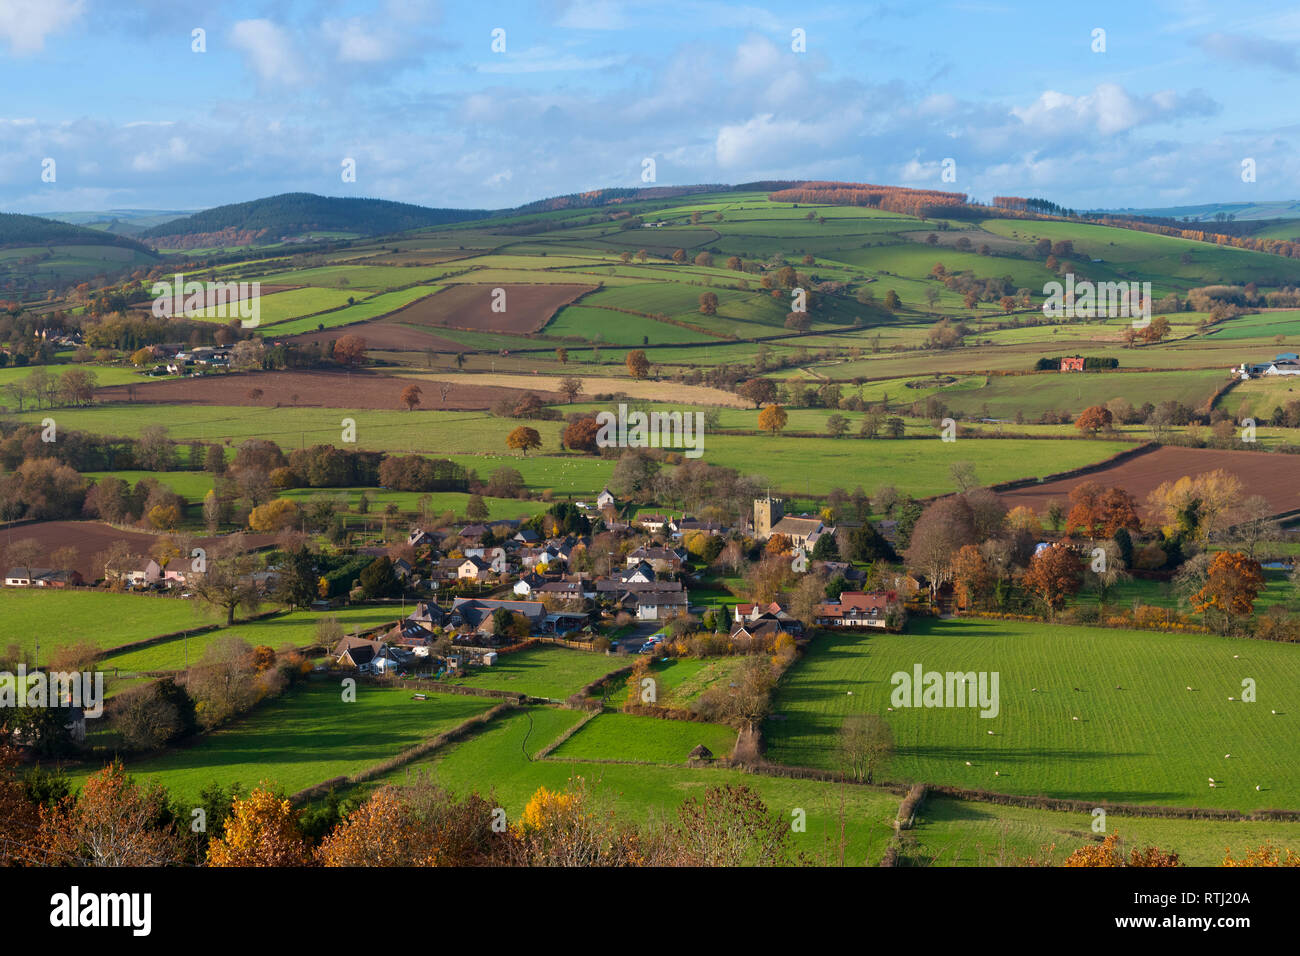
pixel 767 512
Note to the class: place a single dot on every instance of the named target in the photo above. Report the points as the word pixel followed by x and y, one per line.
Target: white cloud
pixel 1109 109
pixel 172 153
pixel 25 24
pixel 269 50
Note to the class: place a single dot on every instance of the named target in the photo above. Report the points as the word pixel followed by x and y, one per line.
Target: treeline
pixel 923 203
pixel 1091 363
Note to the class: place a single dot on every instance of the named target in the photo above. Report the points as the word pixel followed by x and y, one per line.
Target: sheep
pixel 968 763
pixel 1074 718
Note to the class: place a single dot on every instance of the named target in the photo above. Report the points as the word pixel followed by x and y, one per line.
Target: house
pixel 651 523
pixel 648 601
pixel 41 578
pixel 605 499
pixel 1072 363
pixel 473 569
pixel 355 651
pixel 428 615
pixel 767 625
pixel 684 526
pixel 661 559
pixel 419 538
pixel 858 609
pixel 402 568
pixel 639 573
pixel 387 660
pixel 564 590
pixel 526 536
pixel 139 576
pixel 474 615
pixel 528 583
pixel 659 605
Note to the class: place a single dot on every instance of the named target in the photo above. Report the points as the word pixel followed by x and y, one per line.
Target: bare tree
pixel 866 744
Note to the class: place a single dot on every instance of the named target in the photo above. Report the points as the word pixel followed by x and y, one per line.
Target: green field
pixel 1150 742
pixel 297 628
pixel 61 618
pixel 499 760
pixel 554 672
pixel 306 737
pixel 964 833
pixel 644 739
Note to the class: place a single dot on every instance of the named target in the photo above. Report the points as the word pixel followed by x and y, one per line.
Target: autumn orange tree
pixel 111 822
pixel 1264 855
pixel 411 397
pixel 381 832
pixel 1107 853
pixel 638 366
pixel 1094 419
pixel 1233 582
pixel 581 435
pixel 19 816
pixel 350 350
pixel 262 831
pixel 1054 574
pixel 772 419
pixel 1100 512
pixel 524 438
pixel 972 576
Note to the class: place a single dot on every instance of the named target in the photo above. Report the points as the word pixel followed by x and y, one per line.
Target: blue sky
pixel 586 89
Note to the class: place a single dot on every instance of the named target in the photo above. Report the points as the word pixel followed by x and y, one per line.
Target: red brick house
pixel 1072 363
pixel 857 609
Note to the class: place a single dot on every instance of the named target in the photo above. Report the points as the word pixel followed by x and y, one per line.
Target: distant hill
pixel 19 230
pixel 1216 211
pixel 292 215
pixel 121 222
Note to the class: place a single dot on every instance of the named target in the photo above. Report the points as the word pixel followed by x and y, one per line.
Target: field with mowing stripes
pixel 1141 736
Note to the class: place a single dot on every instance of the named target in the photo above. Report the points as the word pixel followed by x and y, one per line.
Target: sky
pixel 491 105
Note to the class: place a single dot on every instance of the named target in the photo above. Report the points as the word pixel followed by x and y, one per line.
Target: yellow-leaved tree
pixel 262 831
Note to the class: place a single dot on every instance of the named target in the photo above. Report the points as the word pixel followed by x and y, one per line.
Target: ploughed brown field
pixel 91 538
pixel 527 307
pixel 382 335
pixel 1276 477
pixel 313 389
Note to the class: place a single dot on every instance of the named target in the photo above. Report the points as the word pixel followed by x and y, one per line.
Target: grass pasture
pixel 305 737
pixel 1141 738
pixel 497 759
pixel 555 672
pixel 644 739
